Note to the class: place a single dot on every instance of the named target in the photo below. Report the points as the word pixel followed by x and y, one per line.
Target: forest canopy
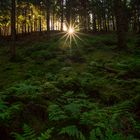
pixel 87 15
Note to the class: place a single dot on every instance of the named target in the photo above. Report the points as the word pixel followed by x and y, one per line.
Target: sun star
pixel 70 31
pixel 71 36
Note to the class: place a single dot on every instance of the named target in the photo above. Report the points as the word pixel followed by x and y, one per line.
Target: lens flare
pixel 71 36
pixel 70 30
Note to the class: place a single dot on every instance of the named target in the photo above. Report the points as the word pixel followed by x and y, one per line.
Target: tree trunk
pixel 13 28
pixel 48 17
pixel 114 24
pixel 62 14
pixel 68 12
pixel 121 24
pixel 94 21
pixel 40 25
pixel 0 32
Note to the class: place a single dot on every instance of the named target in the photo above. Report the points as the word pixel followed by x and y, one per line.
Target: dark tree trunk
pixel 13 28
pixel 108 24
pixel 94 22
pixel 114 23
pixel 40 25
pixel 121 22
pixel 40 20
pixel 84 5
pixel 68 12
pixel 53 19
pixel 48 17
pixel 25 21
pixel 62 14
pixel 99 24
pixel 0 32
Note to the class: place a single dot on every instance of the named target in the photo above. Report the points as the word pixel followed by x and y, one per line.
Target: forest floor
pixel 86 92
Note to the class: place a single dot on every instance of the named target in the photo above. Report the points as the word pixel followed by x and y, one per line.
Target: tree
pixel 62 13
pixel 48 4
pixel 13 27
pixel 121 22
pixel 95 15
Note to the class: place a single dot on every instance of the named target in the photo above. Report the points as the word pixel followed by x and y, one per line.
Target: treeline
pixel 86 15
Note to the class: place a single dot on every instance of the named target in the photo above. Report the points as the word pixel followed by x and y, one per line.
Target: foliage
pixel 56 113
pixel 72 131
pixel 60 98
pixel 7 111
pixel 29 133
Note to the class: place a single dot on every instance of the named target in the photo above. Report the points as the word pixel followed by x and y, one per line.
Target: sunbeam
pixel 70 36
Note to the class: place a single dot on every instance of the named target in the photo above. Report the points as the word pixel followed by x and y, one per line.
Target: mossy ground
pixel 90 89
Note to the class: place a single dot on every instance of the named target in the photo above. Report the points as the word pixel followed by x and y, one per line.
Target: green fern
pixel 46 135
pixel 92 135
pixel 6 111
pixel 74 109
pixel 72 131
pixel 123 107
pixel 56 113
pixel 108 135
pixel 24 88
pixel 17 136
pixel 30 134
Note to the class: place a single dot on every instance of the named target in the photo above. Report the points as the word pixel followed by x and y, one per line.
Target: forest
pixel 69 69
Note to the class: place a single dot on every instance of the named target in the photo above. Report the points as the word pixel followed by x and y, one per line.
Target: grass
pixel 87 92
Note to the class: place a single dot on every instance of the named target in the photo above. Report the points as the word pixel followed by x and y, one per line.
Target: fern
pixel 17 136
pixel 30 134
pixel 123 107
pixel 74 109
pixel 72 131
pixel 109 135
pixel 92 135
pixel 56 113
pixel 6 111
pixel 46 135
pixel 96 117
pixel 24 88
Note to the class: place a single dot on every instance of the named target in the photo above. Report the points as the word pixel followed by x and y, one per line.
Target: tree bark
pixel 62 14
pixel 94 22
pixel 13 28
pixel 121 20
pixel 48 17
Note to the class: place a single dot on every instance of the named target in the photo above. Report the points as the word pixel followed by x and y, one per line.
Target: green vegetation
pixel 87 92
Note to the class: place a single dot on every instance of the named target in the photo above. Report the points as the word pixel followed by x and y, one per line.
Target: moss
pixel 94 83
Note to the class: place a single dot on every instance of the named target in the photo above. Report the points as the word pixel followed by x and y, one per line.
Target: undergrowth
pixel 89 92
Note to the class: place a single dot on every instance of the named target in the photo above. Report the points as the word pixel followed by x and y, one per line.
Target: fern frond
pixel 3 105
pixel 6 111
pixel 46 135
pixel 125 106
pixel 72 131
pixel 92 135
pixel 17 136
pixel 56 113
pixel 29 133
pixel 74 109
pixel 24 88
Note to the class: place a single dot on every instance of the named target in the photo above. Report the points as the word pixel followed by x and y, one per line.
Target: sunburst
pixel 71 35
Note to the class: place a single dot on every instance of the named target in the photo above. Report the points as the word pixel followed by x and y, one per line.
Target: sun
pixel 70 36
pixel 71 31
